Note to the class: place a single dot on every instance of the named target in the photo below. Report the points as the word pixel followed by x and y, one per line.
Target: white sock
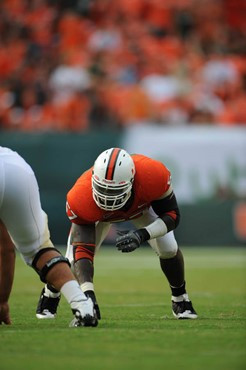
pixel 87 286
pixel 181 298
pixel 49 293
pixel 72 292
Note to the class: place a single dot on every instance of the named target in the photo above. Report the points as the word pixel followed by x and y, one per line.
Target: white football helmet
pixel 112 179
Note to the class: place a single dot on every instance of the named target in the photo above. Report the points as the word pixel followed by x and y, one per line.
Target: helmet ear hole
pixel 112 179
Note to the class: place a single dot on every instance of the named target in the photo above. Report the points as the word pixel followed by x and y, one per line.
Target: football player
pixel 24 224
pixel 122 187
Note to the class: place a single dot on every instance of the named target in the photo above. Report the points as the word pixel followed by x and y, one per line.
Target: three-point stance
pixel 23 224
pixel 122 187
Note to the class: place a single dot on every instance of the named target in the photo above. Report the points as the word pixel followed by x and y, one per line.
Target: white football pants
pixel 20 207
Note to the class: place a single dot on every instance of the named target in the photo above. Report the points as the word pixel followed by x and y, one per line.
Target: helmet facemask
pixel 110 198
pixel 112 192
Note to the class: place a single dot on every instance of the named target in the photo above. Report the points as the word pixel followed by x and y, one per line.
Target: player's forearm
pixel 161 226
pixel 154 230
pixel 84 270
pixel 7 266
pixel 83 241
pixel 7 263
pixel 169 217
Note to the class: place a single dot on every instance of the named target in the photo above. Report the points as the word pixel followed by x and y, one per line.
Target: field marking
pixel 133 305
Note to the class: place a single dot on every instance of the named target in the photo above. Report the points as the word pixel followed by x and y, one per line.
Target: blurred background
pixel 162 78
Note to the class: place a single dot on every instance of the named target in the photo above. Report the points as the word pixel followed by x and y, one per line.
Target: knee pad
pixel 167 255
pixel 49 264
pixel 167 251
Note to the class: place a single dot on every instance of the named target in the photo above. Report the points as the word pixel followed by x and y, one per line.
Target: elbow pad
pixel 171 219
pixel 167 209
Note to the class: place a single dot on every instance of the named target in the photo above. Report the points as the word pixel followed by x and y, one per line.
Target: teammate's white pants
pixel 20 208
pixel 165 246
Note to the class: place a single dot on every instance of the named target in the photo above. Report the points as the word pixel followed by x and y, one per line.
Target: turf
pixel 137 329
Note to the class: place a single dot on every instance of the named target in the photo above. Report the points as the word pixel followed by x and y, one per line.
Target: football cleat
pixel 91 294
pixel 84 313
pixel 47 306
pixel 182 308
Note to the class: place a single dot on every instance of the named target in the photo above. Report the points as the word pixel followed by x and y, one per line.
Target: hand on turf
pixel 4 314
pixel 128 241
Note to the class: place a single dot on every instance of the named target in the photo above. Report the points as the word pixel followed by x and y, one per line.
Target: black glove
pixel 128 241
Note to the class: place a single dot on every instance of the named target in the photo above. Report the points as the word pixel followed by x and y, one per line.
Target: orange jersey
pixel 151 181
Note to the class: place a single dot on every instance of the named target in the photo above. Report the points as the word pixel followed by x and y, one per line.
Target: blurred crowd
pixel 76 65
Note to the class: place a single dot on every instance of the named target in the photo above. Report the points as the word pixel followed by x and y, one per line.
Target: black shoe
pixel 84 313
pixel 91 294
pixel 183 309
pixel 85 321
pixel 47 306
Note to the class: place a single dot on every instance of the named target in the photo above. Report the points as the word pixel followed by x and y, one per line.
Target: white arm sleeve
pixel 156 228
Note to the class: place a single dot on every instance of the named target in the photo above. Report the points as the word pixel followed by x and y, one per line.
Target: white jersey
pixel 20 207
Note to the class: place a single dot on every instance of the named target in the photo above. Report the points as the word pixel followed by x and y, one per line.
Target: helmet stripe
pixel 112 163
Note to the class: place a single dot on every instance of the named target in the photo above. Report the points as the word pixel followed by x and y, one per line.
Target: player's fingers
pixel 120 239
pixel 122 232
pixel 5 318
pixel 7 321
pixel 121 245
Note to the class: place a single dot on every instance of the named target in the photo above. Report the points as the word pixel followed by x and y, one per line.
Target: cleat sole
pixel 46 316
pixel 86 321
pixel 185 316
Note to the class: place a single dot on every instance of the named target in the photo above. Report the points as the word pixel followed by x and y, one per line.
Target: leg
pixel 174 270
pixel 52 269
pixel 7 268
pixel 50 297
pixel 172 265
pixel 84 260
pixel 171 261
pixel 28 228
pixel 84 267
pixel 171 258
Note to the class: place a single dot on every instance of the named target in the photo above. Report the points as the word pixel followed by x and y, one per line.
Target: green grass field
pixel 137 329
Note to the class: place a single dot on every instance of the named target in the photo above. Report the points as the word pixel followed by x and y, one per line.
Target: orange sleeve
pixel 81 208
pixel 152 177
